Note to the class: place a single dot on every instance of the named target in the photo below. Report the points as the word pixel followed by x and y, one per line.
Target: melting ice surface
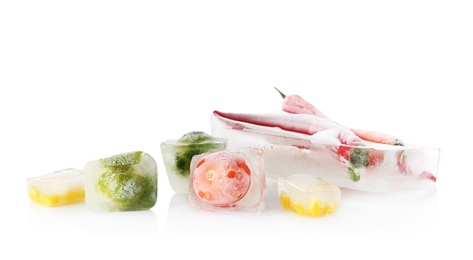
pixel 373 167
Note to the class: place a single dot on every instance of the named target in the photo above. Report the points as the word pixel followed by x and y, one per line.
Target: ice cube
pixel 229 180
pixel 308 195
pixel 177 156
pixel 61 187
pixel 123 182
pixel 373 167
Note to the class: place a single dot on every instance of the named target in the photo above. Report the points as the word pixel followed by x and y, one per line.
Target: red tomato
pixel 344 151
pixel 222 178
pixel 375 157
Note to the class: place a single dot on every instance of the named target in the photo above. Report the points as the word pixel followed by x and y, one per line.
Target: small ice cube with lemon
pixel 122 182
pixel 61 187
pixel 308 195
pixel 177 156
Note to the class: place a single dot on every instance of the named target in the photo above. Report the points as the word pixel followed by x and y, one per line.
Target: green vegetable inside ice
pixel 123 182
pixel 184 156
pixel 359 157
pixel 195 145
pixel 122 159
pixel 194 137
pixel 127 188
pixel 354 176
pixel 177 156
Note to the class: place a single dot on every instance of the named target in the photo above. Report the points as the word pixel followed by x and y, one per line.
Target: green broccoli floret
pixel 359 157
pixel 193 143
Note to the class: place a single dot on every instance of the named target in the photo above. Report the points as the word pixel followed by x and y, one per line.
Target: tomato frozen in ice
pixel 231 180
pixel 222 178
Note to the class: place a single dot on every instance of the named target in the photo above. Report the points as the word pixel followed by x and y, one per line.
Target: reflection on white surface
pixel 78 219
pixel 359 213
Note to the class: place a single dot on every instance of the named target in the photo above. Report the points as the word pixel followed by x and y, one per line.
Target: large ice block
pixel 372 167
pixel 123 182
pixel 229 180
pixel 61 187
pixel 308 195
pixel 177 156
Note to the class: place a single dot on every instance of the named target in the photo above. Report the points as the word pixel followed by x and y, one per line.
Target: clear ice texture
pixel 125 182
pixel 61 187
pixel 375 168
pixel 177 156
pixel 308 195
pixel 228 181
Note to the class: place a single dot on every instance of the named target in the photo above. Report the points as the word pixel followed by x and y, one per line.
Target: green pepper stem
pixel 354 176
pixel 282 94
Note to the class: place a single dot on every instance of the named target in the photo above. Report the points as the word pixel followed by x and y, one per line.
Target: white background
pixel 80 80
